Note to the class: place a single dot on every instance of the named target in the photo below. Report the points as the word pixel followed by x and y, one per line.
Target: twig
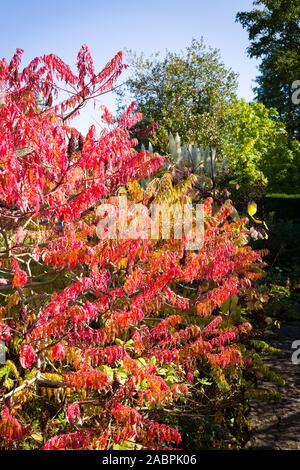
pixel 25 384
pixel 42 382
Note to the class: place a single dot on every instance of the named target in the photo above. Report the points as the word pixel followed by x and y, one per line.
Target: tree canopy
pixel 186 93
pixel 274 33
pixel 258 150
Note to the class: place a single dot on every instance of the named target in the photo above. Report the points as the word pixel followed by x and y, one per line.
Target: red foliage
pixel 75 440
pixel 73 412
pixel 20 276
pixel 161 433
pixel 10 428
pixel 86 378
pixel 4 332
pixel 111 327
pixel 58 351
pixel 27 356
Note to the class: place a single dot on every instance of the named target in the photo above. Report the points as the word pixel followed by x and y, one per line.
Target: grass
pixel 283 196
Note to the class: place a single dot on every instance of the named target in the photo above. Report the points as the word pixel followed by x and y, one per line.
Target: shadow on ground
pixel 276 423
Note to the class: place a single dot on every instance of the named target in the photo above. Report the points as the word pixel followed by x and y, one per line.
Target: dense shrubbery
pixel 193 95
pixel 186 93
pixel 103 337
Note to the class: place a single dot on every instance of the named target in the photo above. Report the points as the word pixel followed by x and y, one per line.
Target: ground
pixel 276 423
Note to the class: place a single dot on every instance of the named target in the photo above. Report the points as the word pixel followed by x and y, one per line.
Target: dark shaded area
pixel 284 207
pixel 276 423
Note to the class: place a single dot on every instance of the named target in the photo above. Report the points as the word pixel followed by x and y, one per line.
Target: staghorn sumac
pixel 122 325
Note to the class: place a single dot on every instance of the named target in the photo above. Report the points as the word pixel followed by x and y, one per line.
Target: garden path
pixel 276 423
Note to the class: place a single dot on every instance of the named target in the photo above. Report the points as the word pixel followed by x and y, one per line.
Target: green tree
pixel 254 138
pixel 258 149
pixel 256 153
pixel 192 93
pixel 274 32
pixel 186 93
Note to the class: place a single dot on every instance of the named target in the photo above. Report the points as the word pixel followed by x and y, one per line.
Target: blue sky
pixel 62 26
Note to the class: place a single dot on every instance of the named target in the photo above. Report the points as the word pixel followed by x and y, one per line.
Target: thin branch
pixel 25 384
pixel 40 381
pixel 30 284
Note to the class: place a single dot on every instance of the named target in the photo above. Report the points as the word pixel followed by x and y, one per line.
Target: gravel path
pixel 276 423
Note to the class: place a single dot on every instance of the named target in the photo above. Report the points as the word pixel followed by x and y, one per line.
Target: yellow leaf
pixel 37 436
pixel 252 208
pixel 135 191
pixel 122 191
pixel 13 300
pixel 122 264
pixel 2 312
